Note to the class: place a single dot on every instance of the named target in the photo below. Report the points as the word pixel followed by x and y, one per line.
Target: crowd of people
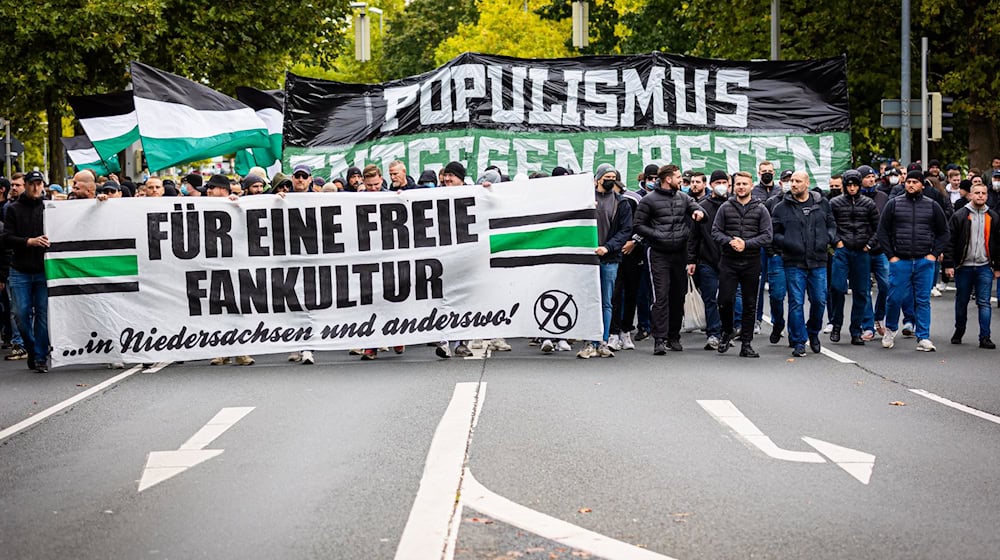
pixel 891 238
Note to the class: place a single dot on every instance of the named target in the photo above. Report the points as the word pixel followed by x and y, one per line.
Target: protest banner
pixel 152 279
pixel 526 115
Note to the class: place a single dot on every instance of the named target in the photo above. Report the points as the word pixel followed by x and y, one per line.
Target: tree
pixel 415 32
pixel 507 28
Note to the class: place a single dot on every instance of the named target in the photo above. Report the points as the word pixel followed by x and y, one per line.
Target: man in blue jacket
pixel 912 232
pixel 804 229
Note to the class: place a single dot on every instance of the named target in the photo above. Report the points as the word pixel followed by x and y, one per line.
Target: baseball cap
pixel 33 176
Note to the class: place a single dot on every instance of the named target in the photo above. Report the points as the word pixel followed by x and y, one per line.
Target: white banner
pixel 155 279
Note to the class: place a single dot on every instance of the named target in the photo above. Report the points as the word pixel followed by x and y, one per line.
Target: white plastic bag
pixel 694 309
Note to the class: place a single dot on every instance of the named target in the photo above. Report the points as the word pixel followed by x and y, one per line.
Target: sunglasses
pixel 301 175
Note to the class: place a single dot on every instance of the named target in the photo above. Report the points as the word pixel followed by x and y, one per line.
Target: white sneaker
pixel 925 345
pixel 712 343
pixel 563 346
pixel 476 344
pixel 888 339
pixel 588 352
pixel 828 328
pixel 499 345
pixel 627 343
pixel 547 346
pixel 756 328
pixel 867 335
pixel 295 357
pixel 907 330
pixel 604 351
pixel 941 286
pixel 935 292
pixel 615 342
pixel 307 358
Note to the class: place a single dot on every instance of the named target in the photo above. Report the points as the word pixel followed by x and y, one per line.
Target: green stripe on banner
pixel 92 267
pixel 112 146
pixel 569 236
pixel 166 152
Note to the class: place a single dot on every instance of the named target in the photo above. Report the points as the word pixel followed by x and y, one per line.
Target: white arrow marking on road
pixel 727 413
pixel 162 465
pixel 857 463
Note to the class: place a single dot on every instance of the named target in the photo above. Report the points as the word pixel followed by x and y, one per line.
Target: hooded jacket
pixel 803 231
pixel 661 218
pixel 961 230
pixel 620 230
pixel 25 219
pixel 702 248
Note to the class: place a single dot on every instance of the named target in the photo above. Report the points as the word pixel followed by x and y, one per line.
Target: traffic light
pixel 939 116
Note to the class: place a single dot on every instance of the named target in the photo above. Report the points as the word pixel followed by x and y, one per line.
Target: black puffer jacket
pixel 25 219
pixel 702 249
pixel 912 227
pixel 661 218
pixel 857 221
pixel 803 230
pixel 750 222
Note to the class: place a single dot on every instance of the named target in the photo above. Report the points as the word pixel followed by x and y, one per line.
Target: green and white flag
pixel 108 120
pixel 182 121
pixel 84 156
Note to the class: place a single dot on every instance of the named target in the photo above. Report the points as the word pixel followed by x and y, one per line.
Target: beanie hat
pixel 456 169
pixel 352 171
pixel 965 185
pixel 251 180
pixel 427 176
pixel 193 179
pixel 718 175
pixel 866 170
pixel 604 169
pixel 490 176
pixel 916 174
pixel 853 177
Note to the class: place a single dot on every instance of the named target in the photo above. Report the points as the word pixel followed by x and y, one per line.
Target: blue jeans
pixel 880 268
pixel 850 267
pixel 609 272
pixel 29 296
pixel 976 280
pixel 707 280
pixel 910 281
pixel 802 282
pixel 777 287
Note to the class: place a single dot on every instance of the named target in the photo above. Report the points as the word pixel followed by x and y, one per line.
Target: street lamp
pixel 362 34
pixel 581 9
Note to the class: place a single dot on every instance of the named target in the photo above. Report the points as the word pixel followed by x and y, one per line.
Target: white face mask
pixel 893 179
pixel 786 186
pixel 721 190
pixel 996 185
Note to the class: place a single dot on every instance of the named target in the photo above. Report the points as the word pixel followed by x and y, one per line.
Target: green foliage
pixel 505 27
pixel 415 32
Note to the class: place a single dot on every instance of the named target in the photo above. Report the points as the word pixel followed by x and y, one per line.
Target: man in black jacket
pixel 704 252
pixel 661 220
pixel 912 232
pixel 24 235
pixel 803 231
pixel 742 228
pixel 857 222
pixel 973 260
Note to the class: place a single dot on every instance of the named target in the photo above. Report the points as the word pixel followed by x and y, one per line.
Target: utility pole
pixel 775 30
pixel 923 99
pixel 905 133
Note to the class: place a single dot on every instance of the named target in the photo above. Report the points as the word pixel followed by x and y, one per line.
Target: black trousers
pixel 623 300
pixel 668 276
pixel 744 273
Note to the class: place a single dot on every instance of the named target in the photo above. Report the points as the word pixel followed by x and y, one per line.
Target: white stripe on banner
pixel 85 156
pixel 273 118
pixel 159 119
pixel 106 128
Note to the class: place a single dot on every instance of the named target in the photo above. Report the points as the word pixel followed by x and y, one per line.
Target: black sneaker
pixel 814 344
pixel 957 337
pixel 659 347
pixel 835 334
pixel 641 334
pixel 41 368
pixel 725 343
pixel 17 353
pixel 799 351
pixel 857 341
pixel 747 351
pixel 674 345
pixel 987 344
pixel 776 334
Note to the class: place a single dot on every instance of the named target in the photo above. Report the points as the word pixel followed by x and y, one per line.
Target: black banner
pixel 585 94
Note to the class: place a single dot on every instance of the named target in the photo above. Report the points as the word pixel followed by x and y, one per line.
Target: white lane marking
pixel 857 463
pixel 56 408
pixel 429 526
pixel 727 413
pixel 957 406
pixel 163 465
pixel 156 367
pixel 823 350
pixel 477 497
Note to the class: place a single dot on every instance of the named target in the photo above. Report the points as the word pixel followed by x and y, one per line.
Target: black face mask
pixel 835 192
pixel 767 178
pixel 608 184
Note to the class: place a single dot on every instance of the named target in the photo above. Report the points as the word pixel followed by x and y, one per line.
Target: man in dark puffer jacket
pixel 742 228
pixel 661 220
pixel 704 252
pixel 803 230
pixel 912 231
pixel 857 221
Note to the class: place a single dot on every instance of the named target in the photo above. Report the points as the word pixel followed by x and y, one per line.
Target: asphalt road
pixel 330 461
